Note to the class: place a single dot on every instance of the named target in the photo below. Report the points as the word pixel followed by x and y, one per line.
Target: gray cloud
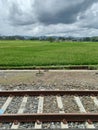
pixel 48 11
pixel 19 15
pixel 61 11
pixel 49 17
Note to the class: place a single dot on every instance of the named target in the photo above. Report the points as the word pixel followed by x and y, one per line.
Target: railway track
pixel 14 114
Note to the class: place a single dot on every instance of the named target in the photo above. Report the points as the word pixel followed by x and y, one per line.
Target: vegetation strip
pixel 44 54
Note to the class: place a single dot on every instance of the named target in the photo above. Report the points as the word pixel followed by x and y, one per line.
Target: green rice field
pixel 30 54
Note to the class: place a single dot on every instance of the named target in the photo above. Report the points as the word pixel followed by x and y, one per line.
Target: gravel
pixel 50 105
pixel 2 101
pixel 14 105
pixel 48 87
pixel 31 105
pixel 76 125
pixel 88 104
pixel 24 87
pixel 48 125
pixel 32 87
pixel 26 125
pixel 95 124
pixel 69 104
pixel 51 125
pixel 5 125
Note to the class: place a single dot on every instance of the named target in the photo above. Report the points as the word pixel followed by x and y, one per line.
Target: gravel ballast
pixel 2 101
pixel 31 105
pixel 69 104
pixel 5 126
pixel 51 125
pixel 50 105
pixel 14 105
pixel 88 104
pixel 26 125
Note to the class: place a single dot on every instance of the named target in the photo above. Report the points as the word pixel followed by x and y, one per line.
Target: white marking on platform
pixel 40 110
pixel 82 109
pixel 95 100
pixel 20 111
pixel 60 106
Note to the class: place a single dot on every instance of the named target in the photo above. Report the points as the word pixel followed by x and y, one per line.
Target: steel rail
pixel 48 92
pixel 57 117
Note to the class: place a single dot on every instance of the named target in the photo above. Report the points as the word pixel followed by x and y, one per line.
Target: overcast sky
pixel 49 17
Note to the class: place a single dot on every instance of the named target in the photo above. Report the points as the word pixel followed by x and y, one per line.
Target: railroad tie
pixel 82 110
pixel 20 111
pixel 95 100
pixel 38 124
pixel 61 110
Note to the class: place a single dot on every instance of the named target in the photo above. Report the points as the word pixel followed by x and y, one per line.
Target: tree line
pixel 51 39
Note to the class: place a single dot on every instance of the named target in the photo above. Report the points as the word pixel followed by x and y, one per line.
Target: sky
pixel 76 18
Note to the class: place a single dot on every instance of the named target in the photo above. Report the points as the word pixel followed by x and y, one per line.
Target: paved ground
pixel 51 79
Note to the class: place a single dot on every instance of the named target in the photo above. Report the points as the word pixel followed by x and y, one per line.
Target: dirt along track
pixel 49 79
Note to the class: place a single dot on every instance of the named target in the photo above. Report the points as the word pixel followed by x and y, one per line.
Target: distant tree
pixel 94 39
pixel 51 39
pixel 87 39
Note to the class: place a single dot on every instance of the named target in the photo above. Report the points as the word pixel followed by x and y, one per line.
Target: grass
pixel 32 54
